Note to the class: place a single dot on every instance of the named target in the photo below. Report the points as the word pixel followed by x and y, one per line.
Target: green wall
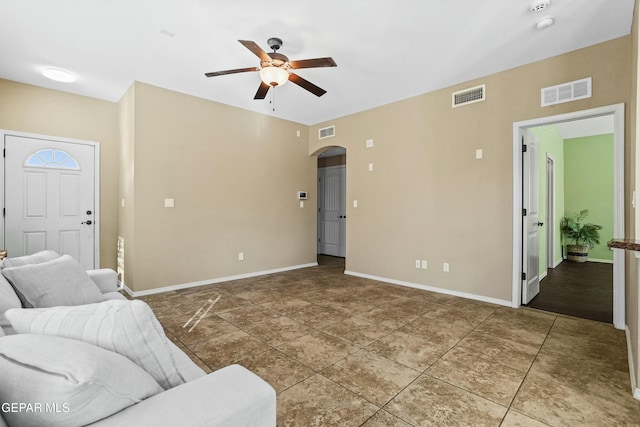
pixel 588 164
pixel 550 142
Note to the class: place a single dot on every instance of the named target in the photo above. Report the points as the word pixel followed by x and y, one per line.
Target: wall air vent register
pixel 468 96
pixel 327 132
pixel 566 92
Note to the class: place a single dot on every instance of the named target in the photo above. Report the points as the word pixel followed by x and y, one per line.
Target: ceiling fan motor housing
pixel 274 43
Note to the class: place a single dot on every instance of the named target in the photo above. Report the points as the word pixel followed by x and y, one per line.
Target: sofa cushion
pixel 66 382
pixel 126 327
pixel 37 258
pixel 8 299
pixel 61 281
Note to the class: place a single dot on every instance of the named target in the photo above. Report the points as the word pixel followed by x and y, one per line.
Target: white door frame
pixel 617 110
pixel 96 203
pixel 550 217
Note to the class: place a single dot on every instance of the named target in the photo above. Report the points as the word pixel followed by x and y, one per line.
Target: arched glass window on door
pixel 52 158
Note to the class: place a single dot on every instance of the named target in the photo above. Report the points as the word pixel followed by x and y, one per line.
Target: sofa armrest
pixel 105 278
pixel 231 397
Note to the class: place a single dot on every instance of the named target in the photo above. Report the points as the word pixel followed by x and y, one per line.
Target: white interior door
pixel 49 198
pixel 332 211
pixel 530 219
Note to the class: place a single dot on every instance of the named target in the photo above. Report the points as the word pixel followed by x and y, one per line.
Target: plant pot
pixel 577 253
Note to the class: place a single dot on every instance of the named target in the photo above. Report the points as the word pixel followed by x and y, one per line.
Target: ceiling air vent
pixel 327 132
pixel 468 96
pixel 566 92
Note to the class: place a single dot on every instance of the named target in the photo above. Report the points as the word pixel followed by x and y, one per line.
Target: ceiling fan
pixel 276 69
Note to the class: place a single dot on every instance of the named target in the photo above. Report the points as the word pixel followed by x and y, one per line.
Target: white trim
pixel 543 275
pixel 96 202
pixel 617 110
pixel 212 281
pixel 558 262
pixel 551 211
pixel 431 288
pixel 632 373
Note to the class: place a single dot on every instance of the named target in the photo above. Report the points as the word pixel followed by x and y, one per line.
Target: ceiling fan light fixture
pixel 274 76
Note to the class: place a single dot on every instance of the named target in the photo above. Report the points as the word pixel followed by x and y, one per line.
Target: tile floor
pixel 345 351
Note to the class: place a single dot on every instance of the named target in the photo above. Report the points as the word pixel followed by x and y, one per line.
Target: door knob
pixel 88 222
pixel 89 212
pixel 540 224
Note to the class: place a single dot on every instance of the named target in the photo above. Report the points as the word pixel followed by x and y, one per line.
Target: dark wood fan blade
pixel 313 63
pixel 257 51
pixel 238 70
pixel 306 84
pixel 262 91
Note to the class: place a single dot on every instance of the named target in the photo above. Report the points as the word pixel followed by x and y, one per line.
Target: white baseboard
pixel 604 261
pixel 634 385
pixel 431 288
pixel 213 281
pixel 558 262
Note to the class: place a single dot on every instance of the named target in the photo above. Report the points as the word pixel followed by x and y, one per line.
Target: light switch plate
pixel 169 203
pixel 479 153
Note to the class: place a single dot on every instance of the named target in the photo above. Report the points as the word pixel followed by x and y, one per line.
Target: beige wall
pixel 234 176
pixel 32 109
pixel 429 198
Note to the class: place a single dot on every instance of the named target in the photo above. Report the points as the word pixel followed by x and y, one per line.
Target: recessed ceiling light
pixel 58 75
pixel 544 23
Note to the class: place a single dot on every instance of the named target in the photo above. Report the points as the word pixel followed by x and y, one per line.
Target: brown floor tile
pixel 384 419
pixel 277 369
pixel 478 375
pixel 430 402
pixel 371 376
pixel 357 331
pixel 389 317
pixel 440 333
pixel 320 402
pixel 317 316
pixel 596 377
pixel 506 352
pixel 278 330
pixel 247 316
pixel 555 402
pixel 317 349
pixel 516 419
pixel 227 349
pixel 373 339
pixel 199 330
pixel 414 352
pixel 533 334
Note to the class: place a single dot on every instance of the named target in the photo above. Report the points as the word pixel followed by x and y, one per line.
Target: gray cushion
pixel 8 299
pixel 122 326
pixel 37 258
pixel 74 383
pixel 61 281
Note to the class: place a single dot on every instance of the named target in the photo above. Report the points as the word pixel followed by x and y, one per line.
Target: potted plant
pixel 584 236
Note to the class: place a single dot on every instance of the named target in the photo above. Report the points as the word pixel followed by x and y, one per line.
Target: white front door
pixel 530 218
pixel 332 211
pixel 49 198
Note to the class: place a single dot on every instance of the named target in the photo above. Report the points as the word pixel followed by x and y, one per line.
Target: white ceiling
pixel 385 50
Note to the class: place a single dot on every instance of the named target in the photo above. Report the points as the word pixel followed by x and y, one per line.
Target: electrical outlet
pixel 445 267
pixel 423 264
pixel 240 256
pixel 417 263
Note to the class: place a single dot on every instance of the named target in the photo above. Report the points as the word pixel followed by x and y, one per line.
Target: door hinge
pixel 524 148
pixel 3 211
pixel 524 212
pixel 524 276
pixel 4 152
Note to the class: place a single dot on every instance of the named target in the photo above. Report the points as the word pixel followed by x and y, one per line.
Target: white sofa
pixel 232 396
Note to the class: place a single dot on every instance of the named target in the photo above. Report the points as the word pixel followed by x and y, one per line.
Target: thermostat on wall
pixel 302 195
